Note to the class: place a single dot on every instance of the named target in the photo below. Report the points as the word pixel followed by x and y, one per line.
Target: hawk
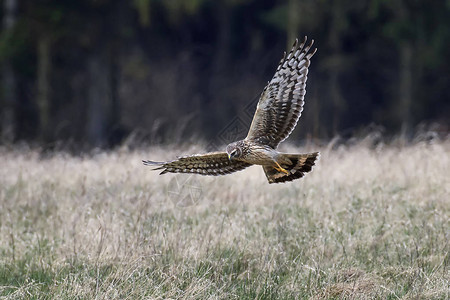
pixel 278 110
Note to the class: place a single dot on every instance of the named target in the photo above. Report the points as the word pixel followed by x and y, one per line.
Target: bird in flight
pixel 278 110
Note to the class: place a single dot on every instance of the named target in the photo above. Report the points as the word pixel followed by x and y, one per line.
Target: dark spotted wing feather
pixel 281 102
pixel 213 163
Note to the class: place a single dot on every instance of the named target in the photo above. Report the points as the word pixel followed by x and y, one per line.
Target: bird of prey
pixel 278 110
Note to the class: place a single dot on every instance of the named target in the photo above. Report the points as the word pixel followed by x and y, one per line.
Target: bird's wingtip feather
pixel 158 164
pixel 152 163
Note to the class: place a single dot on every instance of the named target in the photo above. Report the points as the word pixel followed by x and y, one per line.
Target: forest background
pixel 82 74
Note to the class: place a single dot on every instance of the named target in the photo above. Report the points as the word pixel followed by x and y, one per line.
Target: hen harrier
pixel 277 113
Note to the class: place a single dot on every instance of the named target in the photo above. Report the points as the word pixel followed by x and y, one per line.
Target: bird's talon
pixel 285 171
pixel 281 169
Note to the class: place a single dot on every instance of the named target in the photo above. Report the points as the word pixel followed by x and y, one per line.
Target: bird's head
pixel 234 151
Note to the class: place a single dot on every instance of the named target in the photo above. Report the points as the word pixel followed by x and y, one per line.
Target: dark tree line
pixel 94 72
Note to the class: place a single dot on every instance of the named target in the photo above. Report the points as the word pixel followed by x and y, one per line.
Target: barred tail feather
pixel 300 164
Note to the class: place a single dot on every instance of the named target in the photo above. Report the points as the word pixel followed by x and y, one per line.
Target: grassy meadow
pixel 366 223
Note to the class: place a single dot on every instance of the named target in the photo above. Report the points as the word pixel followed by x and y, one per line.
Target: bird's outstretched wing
pixel 281 101
pixel 213 163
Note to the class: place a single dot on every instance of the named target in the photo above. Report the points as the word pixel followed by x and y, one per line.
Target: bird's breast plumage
pixel 258 154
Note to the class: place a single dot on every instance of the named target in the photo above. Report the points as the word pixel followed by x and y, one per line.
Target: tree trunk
pixel 406 84
pixel 98 99
pixel 113 120
pixel 9 81
pixel 335 68
pixel 222 50
pixel 103 114
pixel 43 87
pixel 218 87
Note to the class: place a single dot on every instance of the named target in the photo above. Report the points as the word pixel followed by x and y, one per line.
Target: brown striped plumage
pixel 277 114
pixel 281 102
pixel 213 163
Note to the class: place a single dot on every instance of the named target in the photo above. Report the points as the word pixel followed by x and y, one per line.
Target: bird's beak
pixel 229 156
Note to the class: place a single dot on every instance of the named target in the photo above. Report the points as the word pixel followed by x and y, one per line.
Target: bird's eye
pixel 233 153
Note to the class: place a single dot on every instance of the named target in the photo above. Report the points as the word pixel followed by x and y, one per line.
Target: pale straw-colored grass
pixel 366 223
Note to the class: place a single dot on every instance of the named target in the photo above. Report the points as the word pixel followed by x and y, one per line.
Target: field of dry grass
pixel 366 223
